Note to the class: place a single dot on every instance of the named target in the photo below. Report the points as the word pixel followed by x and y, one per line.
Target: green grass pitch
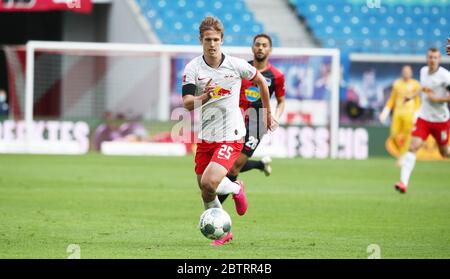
pixel 149 207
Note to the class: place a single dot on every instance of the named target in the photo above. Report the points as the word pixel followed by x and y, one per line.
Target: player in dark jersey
pixel 251 104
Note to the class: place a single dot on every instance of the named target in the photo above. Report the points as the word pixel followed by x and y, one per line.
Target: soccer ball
pixel 215 223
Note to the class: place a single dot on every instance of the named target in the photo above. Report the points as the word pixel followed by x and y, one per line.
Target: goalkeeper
pixel 404 112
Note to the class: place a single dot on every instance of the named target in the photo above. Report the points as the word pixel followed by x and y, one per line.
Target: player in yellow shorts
pixel 404 113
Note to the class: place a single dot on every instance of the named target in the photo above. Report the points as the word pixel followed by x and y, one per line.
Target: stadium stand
pixel 408 26
pixel 177 21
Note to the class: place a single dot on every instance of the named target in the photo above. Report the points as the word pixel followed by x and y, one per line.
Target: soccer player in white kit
pixel 212 82
pixel 434 116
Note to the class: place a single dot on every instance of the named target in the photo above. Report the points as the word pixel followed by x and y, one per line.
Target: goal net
pixel 76 97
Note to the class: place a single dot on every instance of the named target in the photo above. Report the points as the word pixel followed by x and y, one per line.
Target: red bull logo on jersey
pixel 252 94
pixel 220 92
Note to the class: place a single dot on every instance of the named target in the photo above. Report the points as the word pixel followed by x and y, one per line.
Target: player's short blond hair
pixel 211 23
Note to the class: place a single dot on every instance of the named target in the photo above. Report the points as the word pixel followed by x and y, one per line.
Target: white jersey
pixel 438 83
pixel 221 117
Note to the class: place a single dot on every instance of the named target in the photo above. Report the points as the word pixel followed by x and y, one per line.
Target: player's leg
pixel 210 174
pixel 214 182
pixel 226 156
pixel 444 150
pixel 441 133
pixel 227 186
pixel 237 166
pixel 208 203
pixel 419 135
pixel 234 172
pixel 250 143
pixel 407 127
pixel 209 181
pixel 205 178
pixel 408 163
pixel 244 163
pixel 396 131
pixel 255 132
pixel 262 165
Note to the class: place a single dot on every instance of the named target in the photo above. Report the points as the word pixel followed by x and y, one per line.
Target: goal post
pixel 96 77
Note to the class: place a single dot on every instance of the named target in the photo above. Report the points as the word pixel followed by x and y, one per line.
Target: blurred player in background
pixel 107 131
pixel 250 102
pixel 404 113
pixel 433 114
pixel 212 82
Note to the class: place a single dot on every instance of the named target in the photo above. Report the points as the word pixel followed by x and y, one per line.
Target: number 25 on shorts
pixel 225 152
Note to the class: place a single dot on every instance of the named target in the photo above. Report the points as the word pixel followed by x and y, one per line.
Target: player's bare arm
pixel 412 97
pixel 415 95
pixel 281 103
pixel 262 85
pixel 191 102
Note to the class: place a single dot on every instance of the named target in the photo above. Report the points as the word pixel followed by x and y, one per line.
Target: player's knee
pixel 414 146
pixel 207 187
pixel 209 184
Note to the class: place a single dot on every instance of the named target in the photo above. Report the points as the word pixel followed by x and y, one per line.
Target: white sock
pixel 409 160
pixel 400 159
pixel 213 204
pixel 226 186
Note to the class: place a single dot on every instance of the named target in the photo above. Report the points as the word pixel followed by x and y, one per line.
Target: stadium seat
pixel 396 27
pixel 177 21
